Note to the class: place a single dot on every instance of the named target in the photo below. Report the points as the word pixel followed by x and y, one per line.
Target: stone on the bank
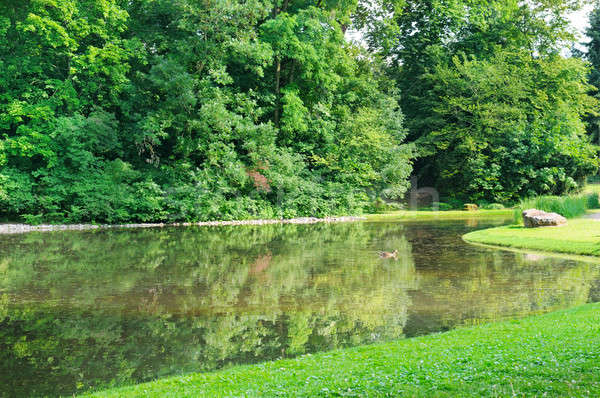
pixel 533 218
pixel 471 207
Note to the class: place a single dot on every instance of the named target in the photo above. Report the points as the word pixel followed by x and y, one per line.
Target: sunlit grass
pixel 579 236
pixel 591 188
pixel 556 354
pixel 429 214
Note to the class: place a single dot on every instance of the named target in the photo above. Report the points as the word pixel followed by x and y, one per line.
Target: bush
pixel 454 203
pixel 593 200
pixel 442 206
pixel 493 206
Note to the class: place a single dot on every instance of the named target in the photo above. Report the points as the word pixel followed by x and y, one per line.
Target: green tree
pixel 508 127
pixel 437 48
pixel 161 110
pixel 593 57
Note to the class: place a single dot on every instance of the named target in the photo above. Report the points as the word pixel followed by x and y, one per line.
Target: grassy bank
pixel 557 354
pixel 579 236
pixel 406 215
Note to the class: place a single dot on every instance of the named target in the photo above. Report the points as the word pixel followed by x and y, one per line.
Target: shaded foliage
pixel 592 55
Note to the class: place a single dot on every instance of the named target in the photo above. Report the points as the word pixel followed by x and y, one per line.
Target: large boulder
pixel 533 218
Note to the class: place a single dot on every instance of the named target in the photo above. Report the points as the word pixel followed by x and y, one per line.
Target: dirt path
pixel 593 216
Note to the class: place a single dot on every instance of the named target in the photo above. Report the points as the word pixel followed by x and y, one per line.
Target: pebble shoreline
pixel 23 228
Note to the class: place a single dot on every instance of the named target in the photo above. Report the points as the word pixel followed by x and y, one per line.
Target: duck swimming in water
pixel 393 254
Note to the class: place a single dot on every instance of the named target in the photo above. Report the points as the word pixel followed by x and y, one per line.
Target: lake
pixel 94 309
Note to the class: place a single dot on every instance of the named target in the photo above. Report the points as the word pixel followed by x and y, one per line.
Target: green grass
pixel 579 236
pixel 446 215
pixel 591 188
pixel 556 354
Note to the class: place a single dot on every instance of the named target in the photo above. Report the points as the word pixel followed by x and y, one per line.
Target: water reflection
pixel 80 310
pixel 466 285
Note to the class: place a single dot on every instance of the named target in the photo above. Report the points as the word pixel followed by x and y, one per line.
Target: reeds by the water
pixel 568 206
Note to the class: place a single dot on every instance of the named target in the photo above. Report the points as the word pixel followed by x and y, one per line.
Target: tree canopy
pixel 161 110
pixel 494 108
pixel 157 110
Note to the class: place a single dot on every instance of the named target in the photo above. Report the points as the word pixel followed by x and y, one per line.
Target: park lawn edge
pixel 564 256
pixel 579 237
pixel 557 354
pixel 9 228
pixel 418 215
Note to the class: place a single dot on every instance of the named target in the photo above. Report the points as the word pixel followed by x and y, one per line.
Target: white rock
pixel 533 218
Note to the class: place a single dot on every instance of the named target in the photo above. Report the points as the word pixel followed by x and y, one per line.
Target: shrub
pixel 493 206
pixel 442 206
pixel 593 200
pixel 454 203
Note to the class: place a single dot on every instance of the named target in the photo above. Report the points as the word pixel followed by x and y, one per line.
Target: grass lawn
pixel 579 236
pixel 556 354
pixel 406 215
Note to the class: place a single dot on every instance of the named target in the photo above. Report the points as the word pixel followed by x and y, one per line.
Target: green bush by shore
pixel 556 354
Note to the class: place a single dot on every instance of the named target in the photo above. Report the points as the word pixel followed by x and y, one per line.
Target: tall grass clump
pixel 569 206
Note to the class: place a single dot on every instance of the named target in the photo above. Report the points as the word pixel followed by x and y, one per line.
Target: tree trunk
pixel 276 11
pixel 277 91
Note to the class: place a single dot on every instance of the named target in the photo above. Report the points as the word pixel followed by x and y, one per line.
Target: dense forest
pixel 184 110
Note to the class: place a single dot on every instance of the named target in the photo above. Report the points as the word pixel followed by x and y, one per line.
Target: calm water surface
pixel 94 309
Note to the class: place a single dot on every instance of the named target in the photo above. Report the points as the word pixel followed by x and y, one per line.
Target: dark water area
pixel 95 309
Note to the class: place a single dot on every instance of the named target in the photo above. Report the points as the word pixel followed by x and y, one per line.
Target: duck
pixel 393 254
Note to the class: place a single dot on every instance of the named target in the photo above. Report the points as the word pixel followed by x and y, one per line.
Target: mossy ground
pixel 556 354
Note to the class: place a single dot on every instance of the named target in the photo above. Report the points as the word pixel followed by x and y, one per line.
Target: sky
pixel 580 18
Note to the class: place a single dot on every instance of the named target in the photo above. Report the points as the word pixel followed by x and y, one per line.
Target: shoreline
pixel 482 360
pixel 10 229
pixel 579 237
pixel 588 258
